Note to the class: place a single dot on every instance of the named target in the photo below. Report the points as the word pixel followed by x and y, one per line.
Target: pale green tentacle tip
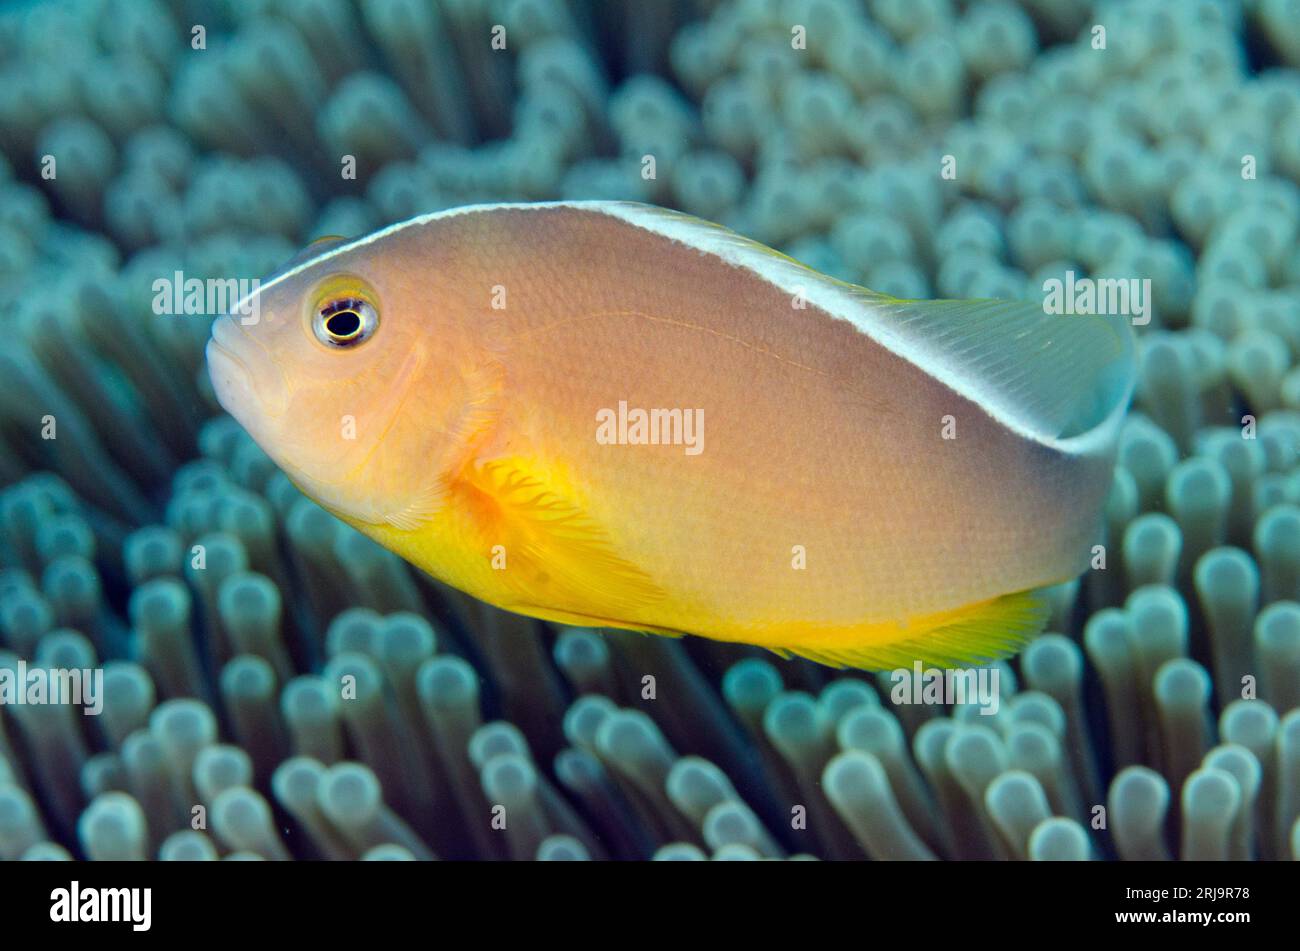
pixel 510 779
pixel 1139 794
pixel 183 724
pixel 1160 620
pixel 242 819
pixel 976 756
pixel 65 649
pixel 296 783
pixel 221 767
pixel 389 852
pixel 498 738
pixel 187 845
pixel 631 736
pixel 127 686
pixel 858 788
pixel 1239 763
pixel 366 680
pixel 1288 741
pixel 843 696
pixel 731 821
pixel 751 684
pixel 696 785
pixel 882 219
pixel 447 682
pixel 1107 637
pixel 161 604
pixel 1277 634
pixel 20 821
pixel 872 729
pixel 53 852
pixel 1182 684
pixel 680 852
pixel 1210 797
pixel 247 677
pixel 1052 663
pixel 309 700
pixel 583 719
pixel 1226 575
pixel 736 852
pixel 930 744
pixel 1015 796
pixel 248 596
pixel 349 794
pixel 1059 839
pixel 354 631
pixel 1252 723
pixel 581 650
pixel 792 722
pixel 113 828
pixel 854 779
pixel 1151 546
pixel 1016 803
pixel 562 848
pixel 1277 535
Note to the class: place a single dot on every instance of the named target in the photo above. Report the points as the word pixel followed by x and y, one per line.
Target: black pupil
pixel 343 323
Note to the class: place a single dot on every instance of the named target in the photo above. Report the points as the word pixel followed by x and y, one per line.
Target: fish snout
pixel 245 377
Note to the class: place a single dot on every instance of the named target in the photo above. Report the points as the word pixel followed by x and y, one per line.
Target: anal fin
pixel 971 635
pixel 577 619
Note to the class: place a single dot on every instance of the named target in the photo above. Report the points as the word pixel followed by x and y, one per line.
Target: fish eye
pixel 345 322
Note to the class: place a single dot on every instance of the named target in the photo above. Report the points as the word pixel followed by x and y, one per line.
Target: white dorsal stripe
pixel 824 293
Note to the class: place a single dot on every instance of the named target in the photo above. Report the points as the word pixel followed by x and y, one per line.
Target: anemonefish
pixel 612 415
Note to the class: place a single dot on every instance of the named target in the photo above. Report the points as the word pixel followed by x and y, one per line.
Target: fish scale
pixel 522 352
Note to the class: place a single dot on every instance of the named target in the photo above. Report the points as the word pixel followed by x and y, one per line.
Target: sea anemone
pixel 277 686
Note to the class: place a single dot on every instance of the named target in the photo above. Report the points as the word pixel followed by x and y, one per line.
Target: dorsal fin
pixel 313 248
pixel 1061 380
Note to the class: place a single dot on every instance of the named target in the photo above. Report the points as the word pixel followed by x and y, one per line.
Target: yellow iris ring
pixel 342 294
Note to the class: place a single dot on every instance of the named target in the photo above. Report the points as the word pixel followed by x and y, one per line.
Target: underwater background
pixel 923 148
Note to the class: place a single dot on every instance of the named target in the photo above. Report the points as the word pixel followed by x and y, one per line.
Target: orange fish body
pixel 612 415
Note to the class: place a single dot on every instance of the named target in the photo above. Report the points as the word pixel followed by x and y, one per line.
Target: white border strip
pixel 787 276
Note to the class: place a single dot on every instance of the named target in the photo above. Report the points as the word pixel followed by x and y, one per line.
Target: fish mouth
pixel 244 375
pixel 231 380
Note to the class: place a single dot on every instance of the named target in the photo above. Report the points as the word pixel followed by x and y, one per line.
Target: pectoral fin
pixel 557 560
